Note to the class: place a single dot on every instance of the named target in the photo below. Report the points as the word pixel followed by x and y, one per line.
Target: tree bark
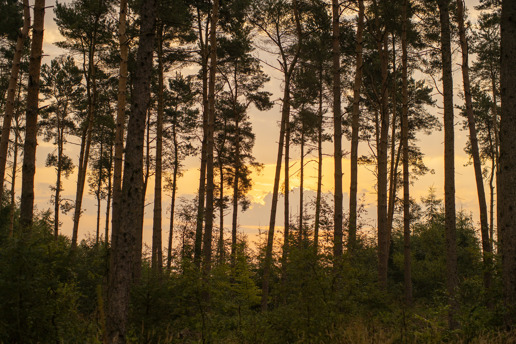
pixel 407 255
pixel 131 207
pixel 173 198
pixel 11 92
pixel 157 254
pixel 507 191
pixel 31 117
pixel 449 165
pixel 123 41
pixel 355 119
pixel 208 227
pixel 484 226
pixel 234 225
pixel 337 132
pixel 319 161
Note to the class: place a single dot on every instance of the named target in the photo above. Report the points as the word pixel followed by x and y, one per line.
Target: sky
pixel 266 128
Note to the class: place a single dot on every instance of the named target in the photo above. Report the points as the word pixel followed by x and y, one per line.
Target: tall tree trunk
pixel 123 250
pixel 31 117
pixel 384 235
pixel 449 164
pixel 319 161
pixel 507 191
pixel 173 198
pixel 157 254
pixel 91 90
pixel 12 205
pixel 285 115
pixel 407 255
pixel 11 92
pixel 57 196
pixel 208 228
pixel 286 200
pixel 221 213
pixel 337 132
pixel 202 174
pixel 484 227
pixel 355 119
pixel 123 41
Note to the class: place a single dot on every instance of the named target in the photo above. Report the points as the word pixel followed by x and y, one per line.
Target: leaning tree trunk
pixel 449 165
pixel 157 254
pixel 355 118
pixel 407 258
pixel 11 92
pixel 31 117
pixel 123 40
pixel 484 226
pixel 507 191
pixel 131 207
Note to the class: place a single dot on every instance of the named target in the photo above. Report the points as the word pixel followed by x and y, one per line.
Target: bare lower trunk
pixel 484 227
pixel 173 200
pixel 355 118
pixel 109 196
pixel 221 215
pixel 11 92
pixel 31 117
pixel 99 188
pixel 301 230
pixel 449 165
pixel 125 242
pixel 286 208
pixel 235 196
pixel 507 191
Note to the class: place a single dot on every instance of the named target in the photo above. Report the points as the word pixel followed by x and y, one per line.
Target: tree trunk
pixel 157 254
pixel 173 200
pixel 484 227
pixel 235 194
pixel 31 117
pixel 12 205
pixel 337 132
pixel 91 89
pixel 109 196
pixel 221 213
pixel 507 191
pixel 449 164
pixel 384 235
pixel 57 196
pixel 407 255
pixel 301 184
pixel 208 228
pixel 319 162
pixel 202 174
pixel 286 200
pixel 355 119
pixel 11 92
pixel 99 189
pixel 123 41
pixel 123 250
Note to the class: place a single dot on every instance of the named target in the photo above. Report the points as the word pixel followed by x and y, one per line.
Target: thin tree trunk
pixel 31 117
pixel 123 41
pixel 384 235
pixel 337 132
pixel 286 200
pixel 131 207
pixel 407 255
pixel 221 213
pixel 507 191
pixel 57 196
pixel 301 184
pixel 173 200
pixel 449 165
pixel 91 89
pixel 11 92
pixel 484 227
pixel 99 189
pixel 235 194
pixel 208 228
pixel 319 162
pixel 157 254
pixel 12 206
pixel 355 119
pixel 202 174
pixel 395 155
pixel 109 195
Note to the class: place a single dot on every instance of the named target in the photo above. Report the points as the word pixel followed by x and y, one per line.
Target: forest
pixel 141 92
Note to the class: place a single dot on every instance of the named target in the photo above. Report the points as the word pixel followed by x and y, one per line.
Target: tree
pixel 31 116
pixel 61 85
pixel 449 163
pixel 125 243
pixel 507 191
pixel 11 91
